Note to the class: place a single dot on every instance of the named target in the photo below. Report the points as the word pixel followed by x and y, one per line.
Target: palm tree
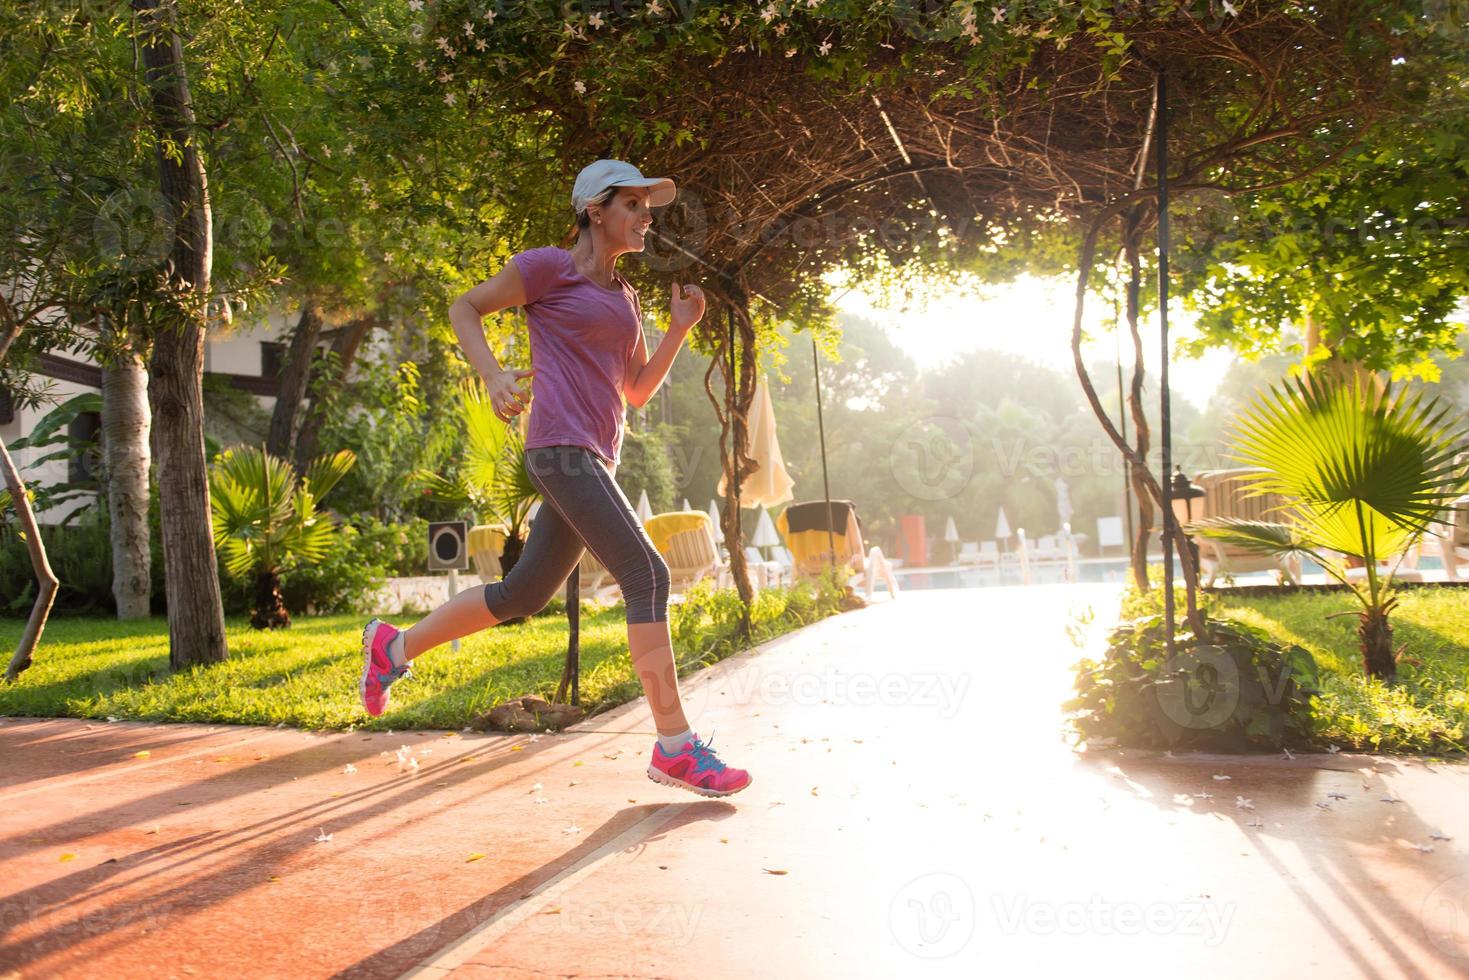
pixel 266 520
pixel 1365 472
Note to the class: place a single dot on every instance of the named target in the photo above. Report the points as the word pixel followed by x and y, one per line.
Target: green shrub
pixel 80 554
pixel 1231 689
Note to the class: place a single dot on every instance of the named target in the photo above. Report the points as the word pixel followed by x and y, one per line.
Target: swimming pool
pixel 1087 570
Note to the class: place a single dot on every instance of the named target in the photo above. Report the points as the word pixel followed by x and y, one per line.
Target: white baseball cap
pixel 598 176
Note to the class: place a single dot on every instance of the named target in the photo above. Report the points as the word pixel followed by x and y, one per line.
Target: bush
pixel 370 552
pixel 1231 689
pixel 80 554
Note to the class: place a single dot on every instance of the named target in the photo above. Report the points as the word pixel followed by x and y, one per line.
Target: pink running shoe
pixel 378 672
pixel 695 767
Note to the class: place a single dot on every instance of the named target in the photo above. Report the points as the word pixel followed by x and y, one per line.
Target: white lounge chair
pixel 989 553
pixel 969 553
pixel 1225 496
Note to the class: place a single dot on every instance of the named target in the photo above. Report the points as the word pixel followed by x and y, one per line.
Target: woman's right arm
pixel 502 290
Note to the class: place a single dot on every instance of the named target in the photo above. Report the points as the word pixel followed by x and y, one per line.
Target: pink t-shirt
pixel 582 337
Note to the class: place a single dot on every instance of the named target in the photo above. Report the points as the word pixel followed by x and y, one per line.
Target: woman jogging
pixel 587 355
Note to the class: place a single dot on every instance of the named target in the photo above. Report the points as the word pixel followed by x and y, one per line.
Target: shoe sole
pixel 366 666
pixel 659 776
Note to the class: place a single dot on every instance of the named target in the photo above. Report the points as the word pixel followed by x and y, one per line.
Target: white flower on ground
pixel 1333 748
pixel 536 788
pixel 595 21
pixel 768 13
pixel 349 770
pixel 1438 835
pixel 421 65
pixel 1203 795
pixel 479 44
pixel 1221 777
pixel 323 837
pixel 449 98
pixel 490 15
pixel 573 829
pixel 999 13
pixel 790 52
pixel 1244 803
pixel 824 47
pixel 468 29
pixel 580 86
pixel 415 5
pixel 1231 9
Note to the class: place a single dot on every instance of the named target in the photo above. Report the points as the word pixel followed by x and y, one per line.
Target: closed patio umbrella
pixel 645 509
pixel 686 504
pixel 765 534
pixel 714 516
pixel 1002 529
pixel 770 484
pixel 951 535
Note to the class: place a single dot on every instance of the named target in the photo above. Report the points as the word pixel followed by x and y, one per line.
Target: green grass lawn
pixel 306 676
pixel 1427 710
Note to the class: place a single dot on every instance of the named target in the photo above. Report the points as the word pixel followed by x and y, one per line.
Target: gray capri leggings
pixel 581 508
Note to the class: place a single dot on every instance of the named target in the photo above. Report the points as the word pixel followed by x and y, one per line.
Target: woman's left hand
pixel 687 306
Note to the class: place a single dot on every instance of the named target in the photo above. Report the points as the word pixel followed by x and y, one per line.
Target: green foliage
pixel 51 438
pixel 1374 246
pixel 492 483
pixel 80 554
pixel 1232 689
pixel 1364 473
pixel 265 518
pixel 1426 709
pixel 648 465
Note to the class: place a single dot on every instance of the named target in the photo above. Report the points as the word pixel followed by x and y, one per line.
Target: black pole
pixel 1122 423
pixel 573 621
pixel 821 428
pixel 1166 446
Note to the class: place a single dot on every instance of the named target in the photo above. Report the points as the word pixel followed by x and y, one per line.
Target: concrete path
pixel 914 812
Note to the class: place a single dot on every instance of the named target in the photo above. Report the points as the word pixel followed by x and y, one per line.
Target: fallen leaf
pixel 553 910
pixel 274 878
pixel 467 758
pixel 153 831
pixel 775 871
pixel 813 791
pixel 517 748
pixel 1439 835
pixel 68 856
pixel 578 762
pixel 724 840
pixel 573 782
pixel 473 857
pixel 142 755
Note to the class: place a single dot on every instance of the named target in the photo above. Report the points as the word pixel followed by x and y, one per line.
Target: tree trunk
pixel 41 608
pixel 125 427
pixel 1375 633
pixel 285 421
pixel 733 414
pixel 1139 414
pixel 344 352
pixel 175 388
pixel 270 609
pixel 1155 490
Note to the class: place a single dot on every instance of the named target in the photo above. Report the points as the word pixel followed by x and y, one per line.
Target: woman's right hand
pixel 506 395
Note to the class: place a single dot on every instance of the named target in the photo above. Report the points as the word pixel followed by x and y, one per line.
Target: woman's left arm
pixel 645 375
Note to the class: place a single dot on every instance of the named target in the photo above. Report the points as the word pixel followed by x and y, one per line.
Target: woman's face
pixel 625 219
